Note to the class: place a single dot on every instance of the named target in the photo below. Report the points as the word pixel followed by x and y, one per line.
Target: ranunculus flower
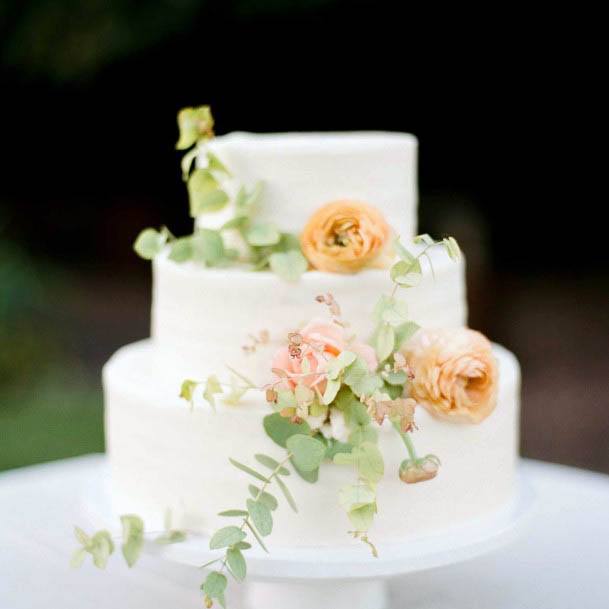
pixel 320 342
pixel 455 374
pixel 344 237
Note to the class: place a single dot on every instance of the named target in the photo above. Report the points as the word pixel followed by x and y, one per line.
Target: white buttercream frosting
pixel 302 171
pixel 201 317
pixel 165 456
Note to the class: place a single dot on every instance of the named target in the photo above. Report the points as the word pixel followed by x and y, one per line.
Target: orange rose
pixel 344 237
pixel 455 374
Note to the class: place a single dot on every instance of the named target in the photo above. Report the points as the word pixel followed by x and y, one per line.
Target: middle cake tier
pixel 204 319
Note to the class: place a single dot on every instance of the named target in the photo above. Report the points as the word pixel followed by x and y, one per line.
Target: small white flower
pixel 340 431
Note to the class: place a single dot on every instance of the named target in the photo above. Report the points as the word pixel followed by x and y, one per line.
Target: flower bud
pixel 419 470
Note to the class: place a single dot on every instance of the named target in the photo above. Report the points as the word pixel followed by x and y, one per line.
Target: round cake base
pixel 345 577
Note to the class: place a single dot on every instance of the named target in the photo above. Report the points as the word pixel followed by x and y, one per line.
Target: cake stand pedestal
pixel 346 577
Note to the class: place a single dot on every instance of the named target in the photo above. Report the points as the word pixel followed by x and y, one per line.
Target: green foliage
pixel 133 537
pixel 100 546
pixel 233 513
pixel 264 497
pixel 226 537
pixel 262 234
pixel 236 563
pixel 204 192
pixel 207 247
pixel 260 516
pixel 307 452
pixel 288 265
pixel 286 493
pixel 149 243
pixel 214 587
pixel 360 379
pixel 215 164
pixel 212 388
pixel 181 249
pixel 248 470
pixel 405 332
pixel 280 429
pixel 367 459
pixel 195 125
pixel 272 464
pixel 187 390
pixel 452 248
pixel 385 342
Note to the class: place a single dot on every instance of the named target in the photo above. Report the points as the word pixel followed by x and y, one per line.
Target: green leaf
pixel 101 547
pixel 288 265
pixel 361 434
pixel 391 310
pixel 308 476
pixel 368 460
pixel 78 558
pixel 212 387
pixel 133 537
pixel 214 586
pixel 247 199
pixel 256 535
pixel 243 545
pixel 187 390
pixel 272 464
pixel 405 332
pixel 204 193
pixel 393 391
pixel 307 452
pixel 149 243
pixel 232 513
pixel 361 380
pixel 402 252
pixel 236 563
pixel 226 537
pixel 286 493
pixel 261 234
pixel 279 428
pixel 452 248
pixel 395 378
pixel 423 239
pixel 81 536
pixel 181 249
pixel 194 124
pixel 361 518
pixel 332 388
pixel 249 470
pixel 406 274
pixel 338 364
pixel 264 497
pixel 215 164
pixel 261 517
pixel 207 247
pixel 385 342
pixel 354 496
pixel 233 397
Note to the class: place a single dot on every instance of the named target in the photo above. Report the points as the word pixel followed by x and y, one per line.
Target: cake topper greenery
pixel 241 238
pixel 329 394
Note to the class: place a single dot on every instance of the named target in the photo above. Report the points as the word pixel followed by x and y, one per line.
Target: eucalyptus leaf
pixel 204 192
pixel 236 563
pixel 286 493
pixel 207 247
pixel 361 518
pixel 195 124
pixel 256 535
pixel 354 496
pixel 279 428
pixel 215 164
pixel 181 249
pixel 452 248
pixel 385 342
pixel 307 452
pixel 149 243
pixel 423 239
pixel 133 538
pixel 214 586
pixel 233 513
pixel 263 496
pixel 272 464
pixel 249 470
pixel 100 548
pixel 405 332
pixel 330 392
pixel 260 234
pixel 288 265
pixel 261 517
pixel 187 390
pixel 212 387
pixel 226 537
pixel 360 379
pixel 406 274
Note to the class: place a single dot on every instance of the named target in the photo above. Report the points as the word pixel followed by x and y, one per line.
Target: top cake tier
pixel 302 171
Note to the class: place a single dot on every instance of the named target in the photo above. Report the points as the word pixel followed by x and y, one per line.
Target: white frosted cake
pixel 165 455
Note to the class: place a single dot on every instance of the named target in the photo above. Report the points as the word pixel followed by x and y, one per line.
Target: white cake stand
pixel 345 577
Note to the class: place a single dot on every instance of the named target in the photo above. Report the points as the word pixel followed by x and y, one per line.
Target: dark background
pixel 504 106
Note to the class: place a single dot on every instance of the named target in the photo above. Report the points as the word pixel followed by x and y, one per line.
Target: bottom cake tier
pixel 164 455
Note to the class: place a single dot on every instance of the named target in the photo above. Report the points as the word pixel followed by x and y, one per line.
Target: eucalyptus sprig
pixel 261 244
pixel 256 517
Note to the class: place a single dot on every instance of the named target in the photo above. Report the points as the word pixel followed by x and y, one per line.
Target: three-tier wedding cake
pixel 284 339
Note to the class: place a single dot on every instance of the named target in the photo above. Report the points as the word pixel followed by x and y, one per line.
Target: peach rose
pixel 320 342
pixel 344 237
pixel 455 374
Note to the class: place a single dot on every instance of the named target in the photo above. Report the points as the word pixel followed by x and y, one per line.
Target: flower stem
pixel 412 453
